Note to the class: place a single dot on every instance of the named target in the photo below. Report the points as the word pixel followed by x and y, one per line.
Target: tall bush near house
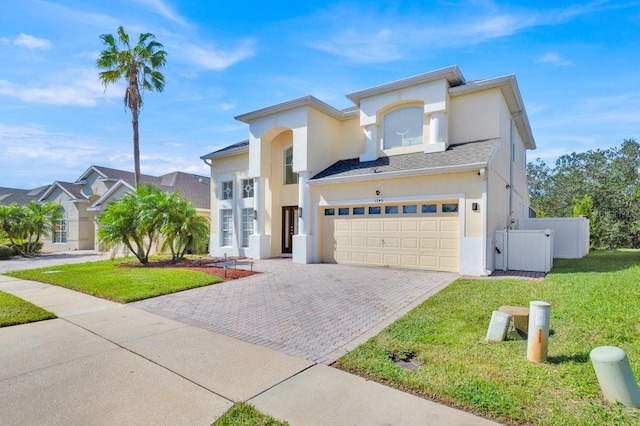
pixel 182 228
pixel 125 221
pixel 24 226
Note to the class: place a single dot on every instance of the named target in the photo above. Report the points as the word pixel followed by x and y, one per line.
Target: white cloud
pixel 80 87
pixel 31 42
pixel 385 36
pixel 212 58
pixel 554 59
pixel 163 9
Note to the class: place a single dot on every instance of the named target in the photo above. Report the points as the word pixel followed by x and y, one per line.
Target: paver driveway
pixel 318 311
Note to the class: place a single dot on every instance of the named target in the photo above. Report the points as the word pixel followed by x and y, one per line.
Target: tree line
pixel 602 185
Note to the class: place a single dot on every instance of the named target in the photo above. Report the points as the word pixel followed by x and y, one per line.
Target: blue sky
pixel 577 65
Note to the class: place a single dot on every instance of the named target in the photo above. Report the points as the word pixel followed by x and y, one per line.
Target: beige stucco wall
pixel 79 224
pixel 475 116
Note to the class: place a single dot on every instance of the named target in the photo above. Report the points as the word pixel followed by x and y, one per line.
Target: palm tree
pixel 138 65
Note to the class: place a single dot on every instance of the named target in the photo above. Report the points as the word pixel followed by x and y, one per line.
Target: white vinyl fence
pixel 571 234
pixel 518 250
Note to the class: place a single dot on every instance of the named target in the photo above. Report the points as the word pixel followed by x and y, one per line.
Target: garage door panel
pixel 427 225
pixel 409 225
pixel 449 225
pixel 409 260
pixel 358 225
pixel 449 243
pixel 409 243
pixel 374 258
pixel 391 225
pixel 374 226
pixel 429 243
pixel 392 259
pixel 358 242
pixel 342 226
pixel 391 242
pixel 374 242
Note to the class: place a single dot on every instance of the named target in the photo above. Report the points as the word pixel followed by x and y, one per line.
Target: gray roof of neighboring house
pixel 73 189
pixel 193 188
pixel 20 196
pixel 458 155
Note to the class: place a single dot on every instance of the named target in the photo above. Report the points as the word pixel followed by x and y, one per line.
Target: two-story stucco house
pixel 420 173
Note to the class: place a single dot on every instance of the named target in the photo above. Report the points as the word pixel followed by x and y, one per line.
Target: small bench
pixel 520 316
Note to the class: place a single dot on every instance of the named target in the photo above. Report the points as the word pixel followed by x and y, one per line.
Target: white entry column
pixel 302 241
pixel 259 243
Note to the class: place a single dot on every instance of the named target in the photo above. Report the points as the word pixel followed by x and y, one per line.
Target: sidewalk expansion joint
pixel 152 361
pixel 281 382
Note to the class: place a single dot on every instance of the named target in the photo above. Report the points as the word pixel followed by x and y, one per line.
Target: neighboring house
pixel 83 200
pixel 420 173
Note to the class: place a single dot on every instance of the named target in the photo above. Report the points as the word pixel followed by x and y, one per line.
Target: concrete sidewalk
pixel 103 363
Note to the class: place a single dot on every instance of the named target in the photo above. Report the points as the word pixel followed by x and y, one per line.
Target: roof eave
pixel 400 173
pixel 452 74
pixel 227 153
pixel 306 101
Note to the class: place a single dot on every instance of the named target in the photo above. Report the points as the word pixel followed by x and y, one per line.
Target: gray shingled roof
pixel 193 188
pixel 231 147
pixel 20 196
pixel 73 189
pixel 463 154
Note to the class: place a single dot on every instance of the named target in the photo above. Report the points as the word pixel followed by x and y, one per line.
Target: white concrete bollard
pixel 615 375
pixel 498 326
pixel 538 336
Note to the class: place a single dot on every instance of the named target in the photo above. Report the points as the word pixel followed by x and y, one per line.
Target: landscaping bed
pixel 207 265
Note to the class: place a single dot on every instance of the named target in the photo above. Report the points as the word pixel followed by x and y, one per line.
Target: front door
pixel 289 227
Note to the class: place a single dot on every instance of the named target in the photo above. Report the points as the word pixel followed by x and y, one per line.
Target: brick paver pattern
pixel 318 312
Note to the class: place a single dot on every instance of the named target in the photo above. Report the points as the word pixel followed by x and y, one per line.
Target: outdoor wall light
pixel 255 214
pixel 474 207
pixel 377 192
pixel 299 211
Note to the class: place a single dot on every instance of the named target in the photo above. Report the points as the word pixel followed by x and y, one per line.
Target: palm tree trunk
pixel 136 147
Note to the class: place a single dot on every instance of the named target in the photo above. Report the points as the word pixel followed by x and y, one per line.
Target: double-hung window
pixel 226 227
pixel 289 176
pixel 60 228
pixel 247 226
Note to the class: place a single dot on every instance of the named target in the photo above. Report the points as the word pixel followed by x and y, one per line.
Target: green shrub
pixel 6 252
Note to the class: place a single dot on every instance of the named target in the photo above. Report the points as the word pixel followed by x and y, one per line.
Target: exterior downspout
pixel 485 189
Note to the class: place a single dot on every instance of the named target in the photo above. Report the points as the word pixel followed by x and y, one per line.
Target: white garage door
pixel 417 235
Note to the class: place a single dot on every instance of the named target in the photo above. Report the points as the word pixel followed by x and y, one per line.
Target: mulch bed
pixel 197 264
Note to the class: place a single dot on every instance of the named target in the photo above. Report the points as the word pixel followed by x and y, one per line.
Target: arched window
pixel 289 176
pixel 60 228
pixel 403 127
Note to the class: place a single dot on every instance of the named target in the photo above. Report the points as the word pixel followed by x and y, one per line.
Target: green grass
pixel 244 414
pixel 119 283
pixel 14 311
pixel 595 301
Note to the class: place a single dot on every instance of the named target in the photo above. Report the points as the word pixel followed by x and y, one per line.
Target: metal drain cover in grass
pixel 404 361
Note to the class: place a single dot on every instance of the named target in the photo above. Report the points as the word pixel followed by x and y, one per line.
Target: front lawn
pixel 14 310
pixel 243 414
pixel 119 283
pixel 595 301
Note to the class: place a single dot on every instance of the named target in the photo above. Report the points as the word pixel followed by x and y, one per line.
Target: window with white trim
pixel 403 127
pixel 247 226
pixel 226 227
pixel 60 228
pixel 227 190
pixel 247 188
pixel 289 176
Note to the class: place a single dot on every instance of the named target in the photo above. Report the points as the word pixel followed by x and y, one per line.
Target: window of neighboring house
pixel 247 188
pixel 247 226
pixel 60 228
pixel 227 190
pixel 289 176
pixel 226 227
pixel 403 127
